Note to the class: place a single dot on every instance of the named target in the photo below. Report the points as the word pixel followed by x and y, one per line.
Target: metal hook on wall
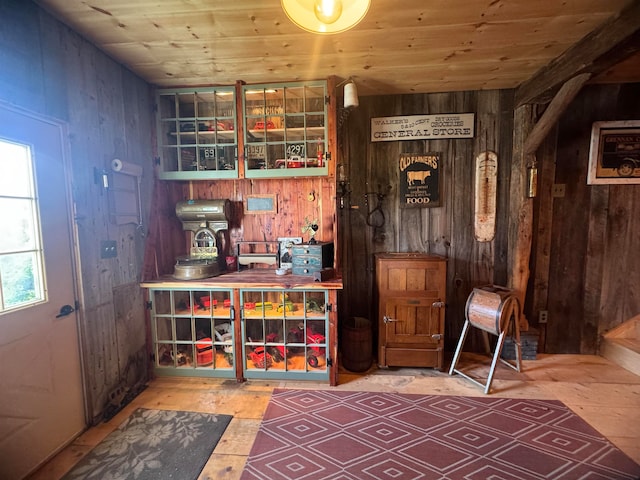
pixel 375 216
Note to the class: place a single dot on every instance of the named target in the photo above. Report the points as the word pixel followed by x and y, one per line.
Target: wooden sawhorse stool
pixel 496 310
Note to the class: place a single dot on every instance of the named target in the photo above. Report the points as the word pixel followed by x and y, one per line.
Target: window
pixel 21 256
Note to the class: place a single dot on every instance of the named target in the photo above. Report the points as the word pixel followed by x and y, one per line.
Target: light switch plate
pixel 558 190
pixel 108 249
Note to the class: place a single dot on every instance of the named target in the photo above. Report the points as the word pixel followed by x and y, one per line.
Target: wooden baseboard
pixel 622 351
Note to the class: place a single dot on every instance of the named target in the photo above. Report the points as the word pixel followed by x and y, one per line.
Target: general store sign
pixel 422 127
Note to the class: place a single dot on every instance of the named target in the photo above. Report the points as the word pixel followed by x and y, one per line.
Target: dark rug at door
pixel 154 444
pixel 310 434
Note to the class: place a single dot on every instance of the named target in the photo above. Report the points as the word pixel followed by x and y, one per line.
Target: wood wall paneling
pixel 445 230
pixel 592 274
pixel 51 70
pixel 293 205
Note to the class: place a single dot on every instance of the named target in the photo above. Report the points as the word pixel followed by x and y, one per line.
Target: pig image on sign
pixel 417 176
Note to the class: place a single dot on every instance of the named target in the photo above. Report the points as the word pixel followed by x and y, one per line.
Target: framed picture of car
pixel 614 154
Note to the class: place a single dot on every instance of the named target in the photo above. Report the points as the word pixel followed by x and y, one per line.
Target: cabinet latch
pixel 329 361
pixel 148 305
pixel 329 307
pixel 327 99
pixel 437 304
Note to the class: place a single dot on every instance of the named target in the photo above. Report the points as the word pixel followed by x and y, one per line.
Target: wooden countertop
pixel 251 278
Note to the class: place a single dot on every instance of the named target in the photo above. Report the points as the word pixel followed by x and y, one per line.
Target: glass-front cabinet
pixel 192 332
pixel 285 334
pixel 285 129
pixel 197 134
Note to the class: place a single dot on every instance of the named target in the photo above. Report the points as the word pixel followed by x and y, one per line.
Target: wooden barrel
pixel 356 345
pixel 490 307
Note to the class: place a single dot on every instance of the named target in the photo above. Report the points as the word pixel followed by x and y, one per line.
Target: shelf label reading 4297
pixel 296 150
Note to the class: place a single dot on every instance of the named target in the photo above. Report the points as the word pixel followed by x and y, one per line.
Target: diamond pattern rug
pixel 339 435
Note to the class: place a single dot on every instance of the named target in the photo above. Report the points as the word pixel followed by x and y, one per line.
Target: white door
pixel 41 394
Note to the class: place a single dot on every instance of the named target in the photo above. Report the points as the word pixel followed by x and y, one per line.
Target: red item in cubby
pixel 204 351
pixel 206 302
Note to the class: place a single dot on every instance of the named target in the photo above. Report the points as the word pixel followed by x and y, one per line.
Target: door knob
pixel 65 310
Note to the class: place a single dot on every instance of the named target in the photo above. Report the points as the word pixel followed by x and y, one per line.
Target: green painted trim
pixel 194 372
pixel 286 172
pixel 199 175
pixel 286 375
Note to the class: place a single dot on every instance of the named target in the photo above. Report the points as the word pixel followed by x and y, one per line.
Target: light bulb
pixel 328 11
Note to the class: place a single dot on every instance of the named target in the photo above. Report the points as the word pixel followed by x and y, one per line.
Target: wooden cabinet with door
pixel 411 290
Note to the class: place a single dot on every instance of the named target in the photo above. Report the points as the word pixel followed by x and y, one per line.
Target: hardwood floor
pixel 602 393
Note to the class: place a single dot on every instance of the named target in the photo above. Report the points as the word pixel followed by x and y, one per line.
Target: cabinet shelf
pixel 286 133
pixel 277 333
pixel 226 134
pixel 295 134
pixel 197 133
pixel 189 336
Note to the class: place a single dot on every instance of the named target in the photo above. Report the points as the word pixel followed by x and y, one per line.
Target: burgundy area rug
pixel 331 435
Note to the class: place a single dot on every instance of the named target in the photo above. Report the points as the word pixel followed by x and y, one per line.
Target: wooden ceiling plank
pixel 615 40
pixel 382 14
pixel 431 80
pixel 191 28
pixel 492 57
pixel 191 42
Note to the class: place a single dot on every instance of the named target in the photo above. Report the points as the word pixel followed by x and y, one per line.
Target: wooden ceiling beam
pixel 615 40
pixel 558 105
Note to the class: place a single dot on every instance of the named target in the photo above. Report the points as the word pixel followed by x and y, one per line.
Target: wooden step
pixel 622 351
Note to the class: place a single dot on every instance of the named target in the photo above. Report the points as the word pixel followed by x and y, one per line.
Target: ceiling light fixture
pixel 326 16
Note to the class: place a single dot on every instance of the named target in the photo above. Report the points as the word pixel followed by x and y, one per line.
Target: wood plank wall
pixel 49 69
pixel 297 198
pixel 372 220
pixel 586 269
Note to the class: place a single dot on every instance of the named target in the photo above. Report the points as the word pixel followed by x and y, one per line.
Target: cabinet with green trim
pixel 285 129
pixel 192 332
pixel 285 333
pixel 197 133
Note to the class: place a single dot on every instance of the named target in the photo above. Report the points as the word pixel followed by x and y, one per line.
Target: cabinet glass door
pixel 197 135
pixel 285 334
pixel 192 332
pixel 285 130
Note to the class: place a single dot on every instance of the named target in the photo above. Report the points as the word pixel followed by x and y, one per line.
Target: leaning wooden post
pixel 527 137
pixel 520 209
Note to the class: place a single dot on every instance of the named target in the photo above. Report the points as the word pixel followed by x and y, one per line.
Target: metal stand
pixel 494 310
